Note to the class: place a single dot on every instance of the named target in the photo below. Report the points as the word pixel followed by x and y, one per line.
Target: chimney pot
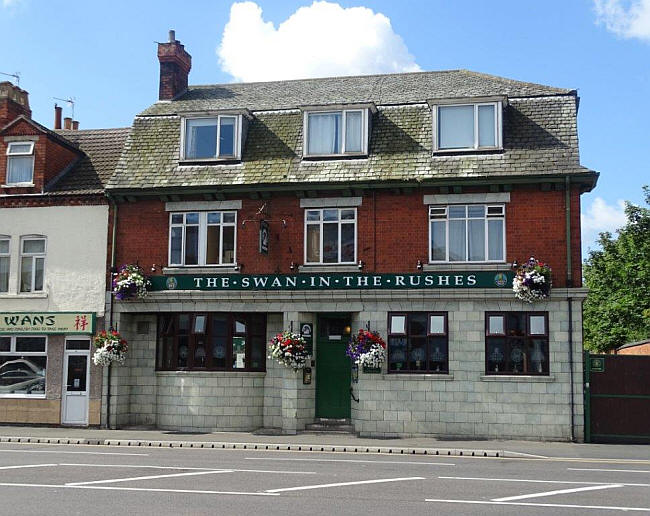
pixel 172 35
pixel 67 123
pixel 75 125
pixel 58 113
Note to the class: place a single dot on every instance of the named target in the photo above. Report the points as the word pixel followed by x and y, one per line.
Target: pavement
pixel 320 442
pixel 38 479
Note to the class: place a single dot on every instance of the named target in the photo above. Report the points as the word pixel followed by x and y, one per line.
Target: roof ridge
pixel 516 81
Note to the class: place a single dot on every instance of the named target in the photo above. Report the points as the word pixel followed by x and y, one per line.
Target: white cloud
pixel 627 18
pixel 323 39
pixel 600 217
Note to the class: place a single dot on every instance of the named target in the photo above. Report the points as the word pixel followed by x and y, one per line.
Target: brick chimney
pixel 13 103
pixel 58 114
pixel 67 123
pixel 175 65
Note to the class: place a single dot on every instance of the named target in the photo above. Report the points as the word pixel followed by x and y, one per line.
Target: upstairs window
pixel 330 236
pixel 460 127
pixel 202 238
pixel 336 133
pixel 4 263
pixel 467 233
pixel 20 163
pixel 32 264
pixel 214 138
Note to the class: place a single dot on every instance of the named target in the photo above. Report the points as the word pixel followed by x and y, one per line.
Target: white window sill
pixel 19 185
pixel 24 295
pixel 335 267
pixel 214 374
pixel 466 266
pixel 418 376
pixel 221 269
pixel 517 378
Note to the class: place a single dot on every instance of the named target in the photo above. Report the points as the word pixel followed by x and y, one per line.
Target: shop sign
pixel 47 322
pixel 313 281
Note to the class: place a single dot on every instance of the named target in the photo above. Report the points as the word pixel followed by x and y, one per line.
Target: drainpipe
pixel 110 317
pixel 569 284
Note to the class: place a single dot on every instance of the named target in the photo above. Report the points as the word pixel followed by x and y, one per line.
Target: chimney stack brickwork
pixel 175 65
pixel 13 103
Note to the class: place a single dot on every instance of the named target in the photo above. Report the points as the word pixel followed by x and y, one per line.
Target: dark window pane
pixel 219 343
pixel 417 354
pixel 396 353
pixel 77 368
pixel 227 136
pixel 176 244
pixel 516 323
pixel 438 354
pixel 439 240
pixel 30 344
pixel 168 342
pixel 212 254
pixel 199 358
pixel 191 245
pixel 184 323
pixel 258 350
pixel 183 351
pixel 220 325
pixel 228 244
pixel 417 324
pixel 77 344
pixel 347 242
pixel 5 344
pixel 330 243
pixel 495 355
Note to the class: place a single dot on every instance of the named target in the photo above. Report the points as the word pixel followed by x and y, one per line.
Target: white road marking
pixel 75 452
pixel 612 470
pixel 522 454
pixel 542 481
pixel 357 461
pixel 530 504
pixel 146 489
pixel 113 480
pixel 553 493
pixel 340 484
pixel 187 468
pixel 27 466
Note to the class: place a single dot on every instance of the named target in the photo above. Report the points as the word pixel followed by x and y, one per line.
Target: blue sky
pixel 103 54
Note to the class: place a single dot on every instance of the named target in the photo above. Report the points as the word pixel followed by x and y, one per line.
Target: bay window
pixel 212 138
pixel 202 238
pixel 418 342
pixel 23 362
pixel 470 126
pixel 331 133
pixel 516 343
pixel 330 235
pixel 20 163
pixel 467 233
pixel 211 341
pixel 32 264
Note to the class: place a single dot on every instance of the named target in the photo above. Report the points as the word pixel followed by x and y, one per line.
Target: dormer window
pixel 20 163
pixel 336 132
pixel 212 138
pixel 467 126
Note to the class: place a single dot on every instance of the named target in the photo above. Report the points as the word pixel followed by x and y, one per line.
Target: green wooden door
pixel 332 369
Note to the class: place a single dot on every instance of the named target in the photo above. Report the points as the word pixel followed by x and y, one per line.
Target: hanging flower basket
pixel 110 348
pixel 367 349
pixel 289 349
pixel 130 282
pixel 532 281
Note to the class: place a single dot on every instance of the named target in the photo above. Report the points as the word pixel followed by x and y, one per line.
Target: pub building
pixel 53 241
pixel 395 203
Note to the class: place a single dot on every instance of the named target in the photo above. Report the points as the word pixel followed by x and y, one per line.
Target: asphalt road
pixel 98 480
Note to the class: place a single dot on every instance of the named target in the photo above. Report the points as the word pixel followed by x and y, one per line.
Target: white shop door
pixel 76 381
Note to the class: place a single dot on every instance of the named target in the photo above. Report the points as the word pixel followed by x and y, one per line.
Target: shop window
pixel 5 245
pixel 202 238
pixel 211 341
pixel 418 342
pixel 516 343
pixel 23 363
pixel 330 236
pixel 32 264
pixel 467 233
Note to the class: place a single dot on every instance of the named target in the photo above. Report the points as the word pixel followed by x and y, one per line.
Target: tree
pixel 617 309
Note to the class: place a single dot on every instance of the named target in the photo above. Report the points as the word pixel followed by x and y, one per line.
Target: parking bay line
pixel 149 477
pixel 187 468
pixel 556 492
pixel 341 484
pixel 531 504
pixel 356 461
pixel 612 470
pixel 542 481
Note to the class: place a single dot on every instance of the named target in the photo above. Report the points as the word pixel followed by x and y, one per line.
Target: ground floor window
pixel 211 341
pixel 418 342
pixel 23 362
pixel 516 343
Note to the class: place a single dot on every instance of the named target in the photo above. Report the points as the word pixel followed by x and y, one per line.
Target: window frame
pixel 11 155
pixel 236 156
pixel 485 218
pixel 202 238
pixel 427 335
pixel 320 223
pixel 13 353
pixel 6 256
pixel 364 131
pixel 232 318
pixel 527 340
pixel 498 126
pixel 33 256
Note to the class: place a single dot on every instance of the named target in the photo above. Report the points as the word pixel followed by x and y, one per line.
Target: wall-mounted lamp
pixel 293 266
pixel 155 267
pixel 361 264
pixel 515 264
pixel 238 266
pixel 419 265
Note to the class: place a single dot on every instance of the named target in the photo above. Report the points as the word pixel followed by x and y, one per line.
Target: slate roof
pixel 101 151
pixel 540 133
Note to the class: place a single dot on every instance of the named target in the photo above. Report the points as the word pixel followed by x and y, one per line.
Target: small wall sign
pixel 307 333
pixel 597 364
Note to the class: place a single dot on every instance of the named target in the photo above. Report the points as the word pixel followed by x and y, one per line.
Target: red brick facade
pixel 392 232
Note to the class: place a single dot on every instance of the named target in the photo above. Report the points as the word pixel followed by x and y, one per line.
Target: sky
pixel 103 55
